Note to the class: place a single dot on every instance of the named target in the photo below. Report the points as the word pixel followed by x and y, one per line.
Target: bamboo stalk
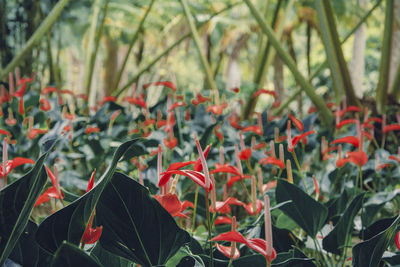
pixel 44 27
pixel 196 39
pixel 383 83
pixel 285 57
pixel 131 44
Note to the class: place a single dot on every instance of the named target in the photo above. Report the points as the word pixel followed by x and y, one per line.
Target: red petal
pixel 170 202
pixel 255 129
pixel 92 235
pixel 91 181
pixel 245 154
pixel 236 178
pixel 175 105
pixel 20 161
pixel 49 90
pixel 222 220
pixel 272 160
pixel 196 177
pixel 344 122
pixel 197 164
pixel 226 250
pixel 226 168
pixel 264 91
pixel 391 127
pixel 5 132
pixel 348 140
pixel 42 199
pixel 249 207
pixel 359 158
pixel 231 236
pixel 299 137
pixel 174 166
pixel 397 240
pixel 299 125
pixel 163 83
pixel 352 109
pixel 260 246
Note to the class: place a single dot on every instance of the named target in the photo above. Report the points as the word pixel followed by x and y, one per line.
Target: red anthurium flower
pixel 224 206
pixel 391 127
pixel 397 240
pixel 348 140
pixel 299 125
pixel 237 178
pixel 33 133
pixel 265 91
pixel 200 99
pixel 217 109
pixel 171 142
pixel 165 176
pixel 257 129
pixel 177 104
pixel 197 164
pixel 218 133
pixel 90 129
pixel 11 164
pixel 137 101
pixel 226 250
pixel 392 157
pixel 51 192
pixel 273 161
pixel 358 158
pixel 225 168
pixel 236 90
pixel 107 99
pixel 196 177
pixel 5 132
pixel 222 220
pixel 173 205
pixel 345 122
pixel 249 207
pixel 91 235
pixel 383 165
pixel 23 82
pixel 299 137
pixel 245 153
pixel 352 109
pixel 161 83
pixel 45 104
pixel 234 121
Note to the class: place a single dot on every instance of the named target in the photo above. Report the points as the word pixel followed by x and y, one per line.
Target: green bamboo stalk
pixel 165 52
pixel 265 62
pixel 285 57
pixel 396 84
pixel 131 44
pixel 93 52
pixel 324 64
pixel 383 82
pixel 340 74
pixel 44 27
pixel 196 39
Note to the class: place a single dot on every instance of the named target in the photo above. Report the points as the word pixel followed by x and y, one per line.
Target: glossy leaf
pixel 108 259
pixel 369 253
pixel 68 255
pixel 16 204
pixel 336 239
pixel 304 210
pixel 70 222
pixel 135 226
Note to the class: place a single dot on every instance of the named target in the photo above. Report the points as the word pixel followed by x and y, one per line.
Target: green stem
pixel 245 189
pixel 131 44
pixel 44 27
pixel 299 168
pixel 196 195
pixel 209 229
pixel 317 100
pixel 196 39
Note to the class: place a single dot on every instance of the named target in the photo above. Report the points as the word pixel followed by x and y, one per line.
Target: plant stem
pixel 196 196
pixel 209 229
pixel 299 168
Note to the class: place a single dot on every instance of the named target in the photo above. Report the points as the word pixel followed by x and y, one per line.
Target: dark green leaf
pixel 304 210
pixel 135 225
pixel 369 253
pixel 16 204
pixel 68 255
pixel 336 239
pixel 70 222
pixel 108 259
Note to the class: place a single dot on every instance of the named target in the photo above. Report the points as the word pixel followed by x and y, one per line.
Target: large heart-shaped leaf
pixel 135 225
pixel 68 255
pixel 16 203
pixel 108 259
pixel 336 239
pixel 27 252
pixel 369 253
pixel 304 210
pixel 70 222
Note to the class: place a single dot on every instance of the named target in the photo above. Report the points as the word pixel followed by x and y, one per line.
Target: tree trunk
pixel 110 65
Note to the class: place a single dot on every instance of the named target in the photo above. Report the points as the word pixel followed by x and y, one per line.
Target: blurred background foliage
pixel 231 40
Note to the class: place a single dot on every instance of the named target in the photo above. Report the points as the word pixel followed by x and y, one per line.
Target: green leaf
pixel 68 255
pixel 16 204
pixel 369 253
pixel 108 259
pixel 27 252
pixel 375 203
pixel 304 210
pixel 184 257
pixel 336 239
pixel 70 222
pixel 135 225
pixel 293 258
